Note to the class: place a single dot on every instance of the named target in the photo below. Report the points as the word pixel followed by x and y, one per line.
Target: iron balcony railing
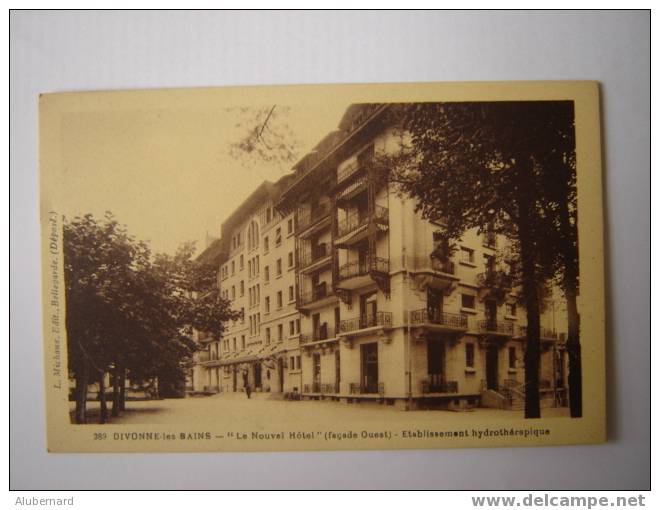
pixel 493 326
pixel 204 356
pixel 445 266
pixel 319 292
pixel 323 388
pixel 544 332
pixel 315 253
pixel 366 388
pixel 426 316
pixel 383 319
pixel 436 384
pixel 307 218
pixel 362 268
pixel 323 332
pixel 356 220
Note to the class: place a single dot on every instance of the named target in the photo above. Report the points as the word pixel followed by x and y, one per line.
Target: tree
pixel 131 313
pixel 481 165
pixel 265 137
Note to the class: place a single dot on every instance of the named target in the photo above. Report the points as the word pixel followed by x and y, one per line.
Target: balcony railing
pixel 319 292
pixel 318 252
pixel 323 332
pixel 204 356
pixel 321 388
pixel 366 388
pixel 383 319
pixel 544 332
pixel 307 218
pixel 356 220
pixel 493 326
pixel 426 316
pixel 362 268
pixel 436 384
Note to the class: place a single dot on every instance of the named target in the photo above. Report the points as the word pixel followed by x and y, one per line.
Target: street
pixel 263 411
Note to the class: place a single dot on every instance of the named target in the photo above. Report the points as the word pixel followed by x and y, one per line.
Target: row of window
pixel 293 328
pixel 469 301
pixel 253 267
pixel 279 299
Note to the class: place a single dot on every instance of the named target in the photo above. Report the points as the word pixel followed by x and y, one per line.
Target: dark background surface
pixel 61 51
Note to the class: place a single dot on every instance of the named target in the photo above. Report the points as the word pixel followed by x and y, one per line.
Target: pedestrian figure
pixel 246 383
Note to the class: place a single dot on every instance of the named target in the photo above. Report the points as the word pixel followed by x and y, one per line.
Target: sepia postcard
pixel 323 267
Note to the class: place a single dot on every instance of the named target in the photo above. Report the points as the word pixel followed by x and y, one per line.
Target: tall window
pixel 267 335
pixel 290 259
pixel 280 332
pixel 469 355
pixel 278 236
pixel 243 342
pixel 291 297
pixel 241 263
pixel 266 248
pixel 279 267
pixel 279 299
pixel 242 288
pixel 289 226
pixel 266 273
pixel 512 357
pixel 267 304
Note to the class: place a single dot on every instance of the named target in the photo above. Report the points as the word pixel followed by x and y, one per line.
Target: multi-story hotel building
pixel 257 267
pixel 386 312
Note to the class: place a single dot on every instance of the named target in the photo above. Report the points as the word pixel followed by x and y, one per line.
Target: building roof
pixel 213 254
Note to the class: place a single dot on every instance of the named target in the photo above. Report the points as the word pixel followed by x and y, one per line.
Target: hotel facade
pixel 348 294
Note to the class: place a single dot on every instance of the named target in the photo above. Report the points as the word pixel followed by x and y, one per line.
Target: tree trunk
pixel 574 355
pixel 82 378
pixel 103 413
pixel 570 282
pixel 531 295
pixel 122 389
pixel 115 391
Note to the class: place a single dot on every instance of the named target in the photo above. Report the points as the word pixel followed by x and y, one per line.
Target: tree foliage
pixel 130 310
pixel 500 167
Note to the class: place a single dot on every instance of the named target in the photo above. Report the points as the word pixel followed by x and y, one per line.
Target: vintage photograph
pixel 323 267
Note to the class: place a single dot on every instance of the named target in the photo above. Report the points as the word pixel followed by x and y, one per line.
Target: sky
pixel 168 174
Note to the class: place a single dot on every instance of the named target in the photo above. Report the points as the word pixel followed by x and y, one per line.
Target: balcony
pixel 353 228
pixel 361 270
pixel 367 389
pixel 318 296
pixel 436 384
pixel 347 172
pixel 447 321
pixel 494 327
pixel 379 319
pixel 545 333
pixel 308 218
pixel 435 272
pixel 351 189
pixel 313 255
pixel 323 332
